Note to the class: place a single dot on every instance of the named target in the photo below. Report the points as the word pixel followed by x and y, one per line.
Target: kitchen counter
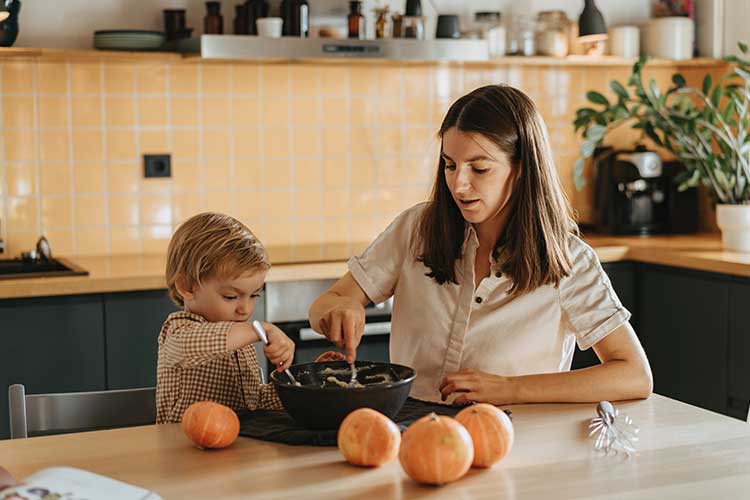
pixel 684 452
pixel 121 273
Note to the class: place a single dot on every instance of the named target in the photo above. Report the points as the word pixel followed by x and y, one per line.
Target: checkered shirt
pixel 195 365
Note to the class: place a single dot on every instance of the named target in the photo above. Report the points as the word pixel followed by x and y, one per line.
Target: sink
pixel 21 269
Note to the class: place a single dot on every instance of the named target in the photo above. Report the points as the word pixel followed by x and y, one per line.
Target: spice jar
pixel 553 33
pixel 381 23
pixel 413 22
pixel 491 29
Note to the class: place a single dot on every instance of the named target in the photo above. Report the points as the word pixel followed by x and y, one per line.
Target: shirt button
pixel 478 300
pixel 498 274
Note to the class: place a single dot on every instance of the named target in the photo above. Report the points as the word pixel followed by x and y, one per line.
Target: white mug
pixel 269 27
pixel 625 41
pixel 670 37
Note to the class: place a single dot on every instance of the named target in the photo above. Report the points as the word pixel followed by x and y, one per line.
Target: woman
pixel 492 286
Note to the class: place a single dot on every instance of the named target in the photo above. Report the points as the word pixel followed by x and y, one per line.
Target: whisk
pixel 615 432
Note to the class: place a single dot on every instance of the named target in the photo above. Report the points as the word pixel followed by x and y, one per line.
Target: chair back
pixel 41 414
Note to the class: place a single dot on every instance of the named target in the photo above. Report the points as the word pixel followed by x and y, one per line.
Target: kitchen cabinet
pixel 132 325
pixel 739 348
pixel 622 277
pixel 682 324
pixel 51 344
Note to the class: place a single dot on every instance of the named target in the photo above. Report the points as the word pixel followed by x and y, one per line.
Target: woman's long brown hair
pixel 533 246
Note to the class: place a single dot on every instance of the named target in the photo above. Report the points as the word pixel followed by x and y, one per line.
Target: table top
pixel 684 452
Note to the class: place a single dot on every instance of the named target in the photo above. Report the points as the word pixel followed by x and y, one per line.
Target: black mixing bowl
pixel 321 403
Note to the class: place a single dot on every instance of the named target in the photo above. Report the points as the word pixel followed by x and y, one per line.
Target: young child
pixel 215 271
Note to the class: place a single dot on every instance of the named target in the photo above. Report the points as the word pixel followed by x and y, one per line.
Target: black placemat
pixel 278 426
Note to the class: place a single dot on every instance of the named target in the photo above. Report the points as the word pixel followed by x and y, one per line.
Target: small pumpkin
pixel 491 432
pixel 436 450
pixel 368 438
pixel 210 425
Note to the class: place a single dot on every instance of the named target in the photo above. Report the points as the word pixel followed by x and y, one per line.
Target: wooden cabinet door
pixel 50 344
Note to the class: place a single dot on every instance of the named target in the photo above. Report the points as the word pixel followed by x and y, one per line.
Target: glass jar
pixel 521 39
pixel 491 29
pixel 553 33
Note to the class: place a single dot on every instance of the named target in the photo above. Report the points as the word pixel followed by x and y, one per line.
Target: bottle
pixel 413 22
pixel 240 19
pixel 213 23
pixel 356 20
pixel 254 10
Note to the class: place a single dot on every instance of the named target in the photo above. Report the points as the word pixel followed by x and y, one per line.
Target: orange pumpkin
pixel 491 432
pixel 368 438
pixel 436 450
pixel 210 425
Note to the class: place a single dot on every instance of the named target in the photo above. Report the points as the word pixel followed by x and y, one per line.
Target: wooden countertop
pixel 122 273
pixel 684 452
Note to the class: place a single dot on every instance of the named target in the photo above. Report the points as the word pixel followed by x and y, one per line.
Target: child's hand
pixel 331 356
pixel 280 348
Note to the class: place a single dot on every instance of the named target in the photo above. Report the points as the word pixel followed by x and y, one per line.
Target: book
pixel 69 483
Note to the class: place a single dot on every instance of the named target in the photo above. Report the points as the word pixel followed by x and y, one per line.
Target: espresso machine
pixel 636 194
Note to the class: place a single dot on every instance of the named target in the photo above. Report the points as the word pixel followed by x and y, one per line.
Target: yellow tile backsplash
pixel 309 155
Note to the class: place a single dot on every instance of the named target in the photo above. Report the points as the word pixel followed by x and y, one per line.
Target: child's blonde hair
pixel 211 245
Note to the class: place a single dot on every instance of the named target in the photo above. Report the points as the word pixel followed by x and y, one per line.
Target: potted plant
pixel 707 128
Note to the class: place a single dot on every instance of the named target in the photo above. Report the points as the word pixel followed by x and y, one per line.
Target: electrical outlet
pixel 157 166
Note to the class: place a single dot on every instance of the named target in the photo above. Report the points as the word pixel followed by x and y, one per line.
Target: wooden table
pixel 684 452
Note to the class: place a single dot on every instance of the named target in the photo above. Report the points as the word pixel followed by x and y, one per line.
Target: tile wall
pixel 311 157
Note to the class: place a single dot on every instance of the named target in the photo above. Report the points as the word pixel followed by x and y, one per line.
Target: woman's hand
pixel 478 387
pixel 330 356
pixel 280 348
pixel 343 326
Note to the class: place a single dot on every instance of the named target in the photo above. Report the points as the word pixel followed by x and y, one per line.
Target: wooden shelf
pixel 134 56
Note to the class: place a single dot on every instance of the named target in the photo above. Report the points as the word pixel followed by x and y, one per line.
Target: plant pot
pixel 734 222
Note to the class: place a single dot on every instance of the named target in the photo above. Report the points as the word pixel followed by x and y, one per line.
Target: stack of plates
pixel 128 40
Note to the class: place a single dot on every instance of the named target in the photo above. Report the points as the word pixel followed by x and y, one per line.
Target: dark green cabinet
pixel 682 323
pixel 739 348
pixel 622 277
pixel 51 345
pixel 131 327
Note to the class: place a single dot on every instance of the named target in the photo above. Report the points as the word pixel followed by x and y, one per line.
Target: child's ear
pixel 184 288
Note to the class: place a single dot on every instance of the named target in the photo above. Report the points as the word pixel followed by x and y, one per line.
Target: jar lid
pixel 487 16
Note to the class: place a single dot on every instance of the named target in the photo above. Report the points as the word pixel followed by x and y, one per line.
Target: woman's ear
pixel 184 287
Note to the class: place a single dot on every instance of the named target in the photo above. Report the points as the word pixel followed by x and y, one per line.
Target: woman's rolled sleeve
pixel 376 270
pixel 588 300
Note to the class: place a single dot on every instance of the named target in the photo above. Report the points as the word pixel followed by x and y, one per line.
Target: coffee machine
pixel 636 194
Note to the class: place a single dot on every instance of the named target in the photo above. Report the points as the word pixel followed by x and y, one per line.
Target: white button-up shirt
pixel 439 329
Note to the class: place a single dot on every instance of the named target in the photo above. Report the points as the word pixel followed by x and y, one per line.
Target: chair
pixel 41 414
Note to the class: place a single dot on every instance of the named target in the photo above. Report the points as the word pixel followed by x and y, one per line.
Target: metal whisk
pixel 615 432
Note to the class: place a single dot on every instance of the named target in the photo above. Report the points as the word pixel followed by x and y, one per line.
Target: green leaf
pixel 595 132
pixel 618 89
pixel 651 133
pixel 743 46
pixel 578 179
pixel 588 147
pixel 653 88
pixel 716 95
pixel 707 84
pixel 678 80
pixel 597 98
